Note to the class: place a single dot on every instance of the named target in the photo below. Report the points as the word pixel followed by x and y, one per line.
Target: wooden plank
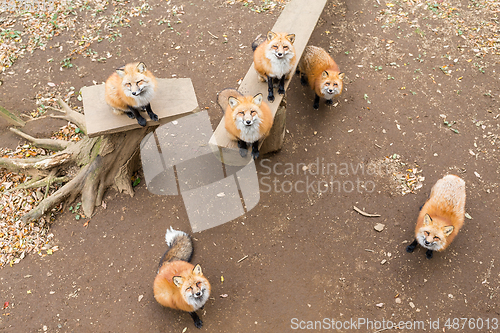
pixel 173 99
pixel 11 118
pixel 299 17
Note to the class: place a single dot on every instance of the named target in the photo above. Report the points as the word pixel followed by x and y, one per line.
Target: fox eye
pixel 189 288
pixel 436 238
pixel 140 82
pixel 275 46
pixel 285 47
pixel 427 233
pixel 127 84
pixel 198 284
pixel 335 84
pixel 241 112
pixel 253 112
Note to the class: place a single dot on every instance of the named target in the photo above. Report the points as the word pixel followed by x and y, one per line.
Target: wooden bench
pixel 299 17
pixel 174 98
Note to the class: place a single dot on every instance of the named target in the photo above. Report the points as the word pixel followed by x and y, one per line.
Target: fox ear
pixel 257 99
pixel 178 281
pixel 141 67
pixel 270 35
pixel 233 102
pixel 121 71
pixel 324 74
pixel 197 270
pixel 291 38
pixel 448 230
pixel 427 220
pixel 341 76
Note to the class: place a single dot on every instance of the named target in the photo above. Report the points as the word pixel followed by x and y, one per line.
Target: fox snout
pixel 248 122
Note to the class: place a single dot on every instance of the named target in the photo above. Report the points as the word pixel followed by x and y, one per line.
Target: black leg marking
pixel 243 148
pixel 255 150
pixel 410 248
pixel 428 254
pixel 137 115
pixel 270 89
pixel 197 321
pixel 316 102
pixel 329 102
pixel 303 80
pixel 151 114
pixel 130 115
pixel 281 86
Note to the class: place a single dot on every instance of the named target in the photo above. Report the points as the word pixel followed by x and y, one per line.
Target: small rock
pixel 383 262
pixel 379 305
pixel 398 300
pixel 412 305
pixel 379 227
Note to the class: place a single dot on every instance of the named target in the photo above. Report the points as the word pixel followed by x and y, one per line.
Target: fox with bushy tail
pixel 441 217
pixel 180 285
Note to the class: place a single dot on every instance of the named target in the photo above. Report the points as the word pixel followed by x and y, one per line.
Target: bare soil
pixel 310 255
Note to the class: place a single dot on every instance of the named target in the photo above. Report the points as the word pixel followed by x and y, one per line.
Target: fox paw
pixel 130 115
pixel 329 101
pixel 141 121
pixel 270 98
pixel 303 80
pixel 428 254
pixel 198 323
pixel 255 154
pixel 281 91
pixel 153 116
pixel 315 106
pixel 243 152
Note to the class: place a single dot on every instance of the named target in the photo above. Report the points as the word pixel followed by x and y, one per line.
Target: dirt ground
pixel 311 257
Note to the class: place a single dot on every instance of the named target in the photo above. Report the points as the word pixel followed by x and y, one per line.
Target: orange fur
pixel 446 209
pixel 322 72
pixel 121 83
pixel 245 104
pixel 167 293
pixel 265 61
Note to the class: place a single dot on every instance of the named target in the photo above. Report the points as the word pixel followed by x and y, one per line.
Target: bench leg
pixel 274 141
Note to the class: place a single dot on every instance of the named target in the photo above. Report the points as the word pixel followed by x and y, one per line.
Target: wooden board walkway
pixel 299 17
pixel 174 98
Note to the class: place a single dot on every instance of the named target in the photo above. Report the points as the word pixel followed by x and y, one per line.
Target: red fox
pixel 180 285
pixel 247 119
pixel 274 59
pixel 441 217
pixel 130 89
pixel 317 68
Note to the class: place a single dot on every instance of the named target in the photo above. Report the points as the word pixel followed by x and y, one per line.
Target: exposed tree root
pixel 105 161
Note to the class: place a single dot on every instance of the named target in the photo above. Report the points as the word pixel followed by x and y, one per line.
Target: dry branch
pixel 70 115
pixel 51 144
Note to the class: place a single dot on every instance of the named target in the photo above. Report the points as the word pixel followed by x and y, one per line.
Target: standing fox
pixel 130 89
pixel 274 59
pixel 247 119
pixel 180 285
pixel 441 217
pixel 317 68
